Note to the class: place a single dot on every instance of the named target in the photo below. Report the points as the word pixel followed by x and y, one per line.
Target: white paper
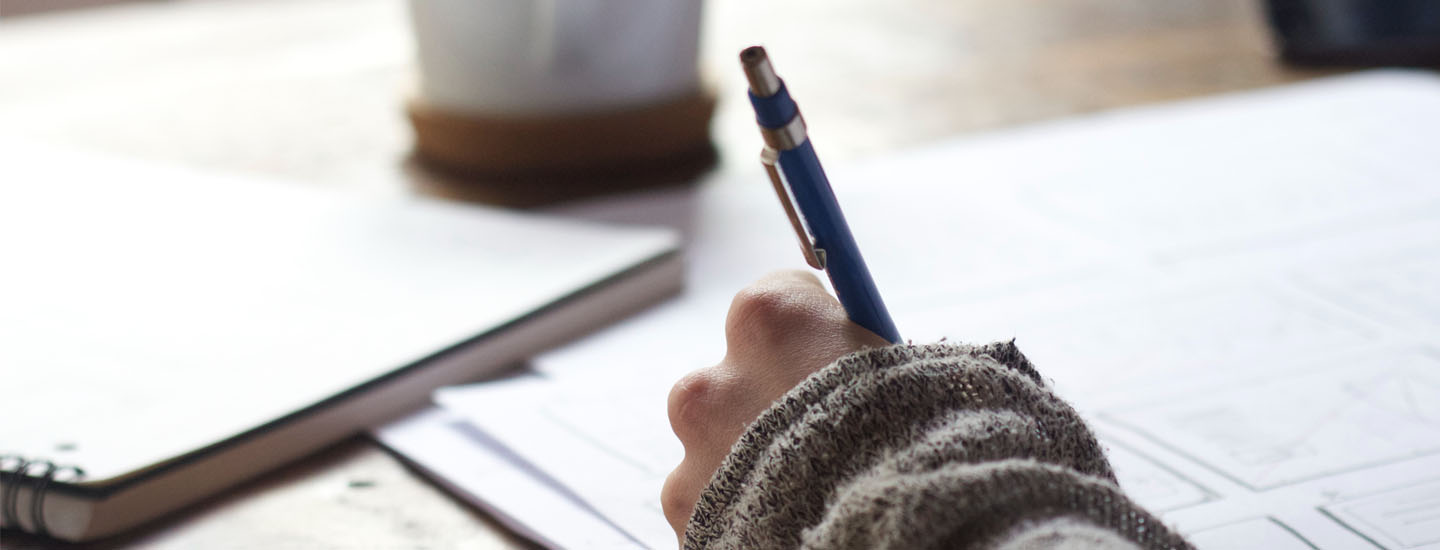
pixel 1238 293
pixel 470 463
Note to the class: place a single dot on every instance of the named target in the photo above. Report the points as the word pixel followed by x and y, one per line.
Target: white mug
pixel 546 57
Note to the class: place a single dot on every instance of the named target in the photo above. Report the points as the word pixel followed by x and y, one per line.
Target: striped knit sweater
pixel 913 447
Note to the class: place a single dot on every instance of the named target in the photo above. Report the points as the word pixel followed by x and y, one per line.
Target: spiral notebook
pixel 166 334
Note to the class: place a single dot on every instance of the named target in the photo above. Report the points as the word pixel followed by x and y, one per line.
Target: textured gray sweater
pixel 939 446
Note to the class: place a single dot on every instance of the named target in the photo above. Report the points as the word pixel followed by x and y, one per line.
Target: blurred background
pixel 315 92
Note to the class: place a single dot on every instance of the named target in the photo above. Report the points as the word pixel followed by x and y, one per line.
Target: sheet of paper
pixel 470 463
pixel 615 459
pixel 1238 293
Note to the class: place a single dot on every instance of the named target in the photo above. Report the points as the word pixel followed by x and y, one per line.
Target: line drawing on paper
pixel 1155 486
pixel 1186 333
pixel 1265 532
pixel 1397 290
pixel 1404 517
pixel 1376 410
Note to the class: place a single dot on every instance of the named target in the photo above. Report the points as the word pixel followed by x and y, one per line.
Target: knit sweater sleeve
pixel 940 446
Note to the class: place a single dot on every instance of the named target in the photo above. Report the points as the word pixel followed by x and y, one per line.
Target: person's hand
pixel 779 330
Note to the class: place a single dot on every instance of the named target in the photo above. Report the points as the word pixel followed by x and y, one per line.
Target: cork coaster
pixel 528 161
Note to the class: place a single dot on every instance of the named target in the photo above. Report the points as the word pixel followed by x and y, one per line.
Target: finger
pixel 798 281
pixel 805 286
pixel 680 492
pixel 709 407
pixel 777 306
pixel 693 402
pixel 798 277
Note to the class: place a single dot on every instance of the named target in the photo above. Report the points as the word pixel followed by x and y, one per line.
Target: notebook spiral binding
pixel 19 471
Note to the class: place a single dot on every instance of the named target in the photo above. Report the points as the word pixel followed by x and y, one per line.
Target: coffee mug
pixel 535 101
pixel 524 57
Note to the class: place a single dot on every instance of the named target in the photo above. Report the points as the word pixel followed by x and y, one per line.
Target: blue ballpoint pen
pixel 795 171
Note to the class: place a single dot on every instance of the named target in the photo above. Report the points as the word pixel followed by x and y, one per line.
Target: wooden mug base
pixel 534 160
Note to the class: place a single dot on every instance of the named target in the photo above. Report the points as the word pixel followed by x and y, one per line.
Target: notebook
pixel 165 334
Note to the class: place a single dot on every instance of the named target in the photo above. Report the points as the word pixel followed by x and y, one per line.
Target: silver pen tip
pixel 763 82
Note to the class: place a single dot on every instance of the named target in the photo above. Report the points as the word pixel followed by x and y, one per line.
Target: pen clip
pixel 814 255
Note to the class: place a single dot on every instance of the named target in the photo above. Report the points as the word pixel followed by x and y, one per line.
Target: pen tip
pixel 752 55
pixel 763 82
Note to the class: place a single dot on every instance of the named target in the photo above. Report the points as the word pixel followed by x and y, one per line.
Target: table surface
pixel 311 91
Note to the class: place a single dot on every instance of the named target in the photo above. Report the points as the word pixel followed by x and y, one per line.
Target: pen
pixel 789 159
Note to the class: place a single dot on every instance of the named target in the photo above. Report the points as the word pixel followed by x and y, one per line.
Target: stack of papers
pixel 1239 293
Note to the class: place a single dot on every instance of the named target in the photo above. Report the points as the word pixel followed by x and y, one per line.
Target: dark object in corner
pixel 1357 32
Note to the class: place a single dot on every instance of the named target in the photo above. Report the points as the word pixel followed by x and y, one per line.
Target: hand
pixel 779 330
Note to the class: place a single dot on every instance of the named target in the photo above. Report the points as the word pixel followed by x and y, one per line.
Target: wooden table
pixel 311 91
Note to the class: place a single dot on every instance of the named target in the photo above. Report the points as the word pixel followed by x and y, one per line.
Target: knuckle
pixel 691 402
pixel 760 313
